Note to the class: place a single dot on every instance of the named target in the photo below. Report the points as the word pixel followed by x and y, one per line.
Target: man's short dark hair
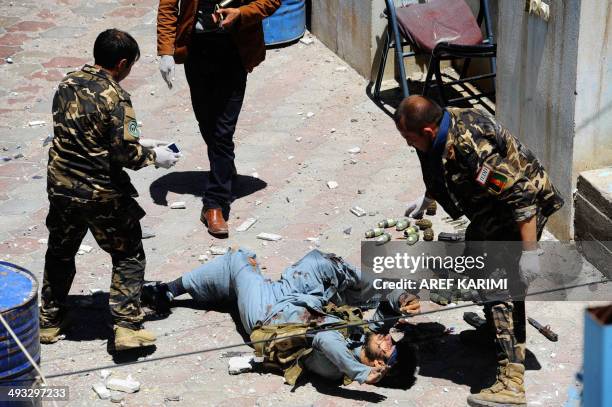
pixel 367 348
pixel 112 46
pixel 417 112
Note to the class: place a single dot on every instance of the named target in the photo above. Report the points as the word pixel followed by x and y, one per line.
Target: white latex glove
pixel 165 158
pixel 416 208
pixel 152 143
pixel 166 67
pixel 529 265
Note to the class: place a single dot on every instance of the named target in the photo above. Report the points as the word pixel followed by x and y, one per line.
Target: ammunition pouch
pixel 283 346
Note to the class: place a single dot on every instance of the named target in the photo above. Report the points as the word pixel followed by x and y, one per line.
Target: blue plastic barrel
pixel 287 24
pixel 19 308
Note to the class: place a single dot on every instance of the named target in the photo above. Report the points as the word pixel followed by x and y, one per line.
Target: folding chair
pixel 444 30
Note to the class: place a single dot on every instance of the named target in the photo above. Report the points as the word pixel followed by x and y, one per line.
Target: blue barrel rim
pixel 34 289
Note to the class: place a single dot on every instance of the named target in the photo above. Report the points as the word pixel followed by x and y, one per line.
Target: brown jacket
pixel 176 19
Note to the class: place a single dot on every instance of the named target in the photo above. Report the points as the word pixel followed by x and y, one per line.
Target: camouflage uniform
pixel 95 137
pixel 486 174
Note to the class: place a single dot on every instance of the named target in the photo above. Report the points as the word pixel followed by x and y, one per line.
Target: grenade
pixel 432 208
pixel 374 232
pixel 387 223
pixel 412 239
pixel 412 230
pixel 428 234
pixel 384 238
pixel 402 224
pixel 423 224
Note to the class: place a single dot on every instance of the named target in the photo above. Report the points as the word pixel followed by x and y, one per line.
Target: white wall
pixel 536 83
pixel 593 139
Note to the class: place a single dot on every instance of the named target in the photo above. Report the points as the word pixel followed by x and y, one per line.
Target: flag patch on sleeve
pixel 497 182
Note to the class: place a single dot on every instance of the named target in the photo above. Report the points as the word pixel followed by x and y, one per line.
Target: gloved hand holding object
pixel 416 208
pixel 166 67
pixel 164 157
pixel 529 265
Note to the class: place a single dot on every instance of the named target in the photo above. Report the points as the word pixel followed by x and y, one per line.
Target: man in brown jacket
pixel 218 47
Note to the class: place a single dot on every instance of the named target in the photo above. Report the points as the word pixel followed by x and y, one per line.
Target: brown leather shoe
pixel 213 219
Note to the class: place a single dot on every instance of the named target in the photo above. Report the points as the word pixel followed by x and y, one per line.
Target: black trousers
pixel 217 82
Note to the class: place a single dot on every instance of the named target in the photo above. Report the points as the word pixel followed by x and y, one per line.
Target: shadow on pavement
pixel 473 365
pixel 194 183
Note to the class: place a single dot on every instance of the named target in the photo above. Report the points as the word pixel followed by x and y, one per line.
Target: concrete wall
pixel 536 83
pixel 354 30
pixel 593 139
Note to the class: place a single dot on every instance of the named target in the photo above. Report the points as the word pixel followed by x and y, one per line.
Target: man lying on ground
pixel 311 295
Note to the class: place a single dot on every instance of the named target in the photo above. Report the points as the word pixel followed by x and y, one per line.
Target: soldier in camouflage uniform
pixel 95 136
pixel 473 166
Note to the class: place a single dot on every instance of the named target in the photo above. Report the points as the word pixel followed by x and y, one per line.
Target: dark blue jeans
pixel 217 81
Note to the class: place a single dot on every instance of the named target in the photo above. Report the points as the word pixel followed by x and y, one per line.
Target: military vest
pixel 284 346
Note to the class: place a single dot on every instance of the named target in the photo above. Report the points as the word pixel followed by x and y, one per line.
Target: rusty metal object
pixel 423 224
pixel 544 330
pixel 428 235
pixel 432 208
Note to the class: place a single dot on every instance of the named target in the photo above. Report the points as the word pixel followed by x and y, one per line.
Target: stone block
pixel 593 218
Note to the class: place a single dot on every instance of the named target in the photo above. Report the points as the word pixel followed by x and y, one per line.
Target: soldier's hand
pixel 152 143
pixel 376 374
pixel 166 68
pixel 529 265
pixel 229 17
pixel 416 208
pixel 165 158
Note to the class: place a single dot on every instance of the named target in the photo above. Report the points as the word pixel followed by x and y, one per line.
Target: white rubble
pixel 240 364
pixel 105 373
pixel 218 250
pixel 332 184
pixel 203 258
pixel 358 211
pixel 246 225
pixel 127 385
pixel 306 40
pixel 37 123
pixel 101 391
pixel 178 205
pixel 354 150
pixel 269 236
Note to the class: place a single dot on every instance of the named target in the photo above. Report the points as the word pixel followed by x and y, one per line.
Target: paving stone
pixel 65 62
pixel 31 26
pixel 64 32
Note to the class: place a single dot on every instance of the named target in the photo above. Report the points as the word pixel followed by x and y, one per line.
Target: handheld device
pixel 174 148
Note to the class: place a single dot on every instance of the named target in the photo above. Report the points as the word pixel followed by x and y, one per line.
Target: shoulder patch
pixel 497 181
pixel 133 129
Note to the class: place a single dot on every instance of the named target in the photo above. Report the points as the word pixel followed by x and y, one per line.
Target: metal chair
pixel 444 30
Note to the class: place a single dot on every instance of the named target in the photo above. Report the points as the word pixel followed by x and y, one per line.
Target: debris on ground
pixel 347 230
pixel 101 390
pixel 306 40
pixel 354 150
pixel 218 250
pixel 9 60
pixel 341 69
pixel 361 191
pixel 255 175
pixel 94 291
pixel 309 114
pixel 43 241
pixel 37 123
pixel 172 397
pixel 178 205
pixel 83 249
pixel 147 233
pixel 47 140
pixel 105 373
pixel 116 397
pixel 246 225
pixel 269 236
pixel 332 184
pixel 203 258
pixel 127 385
pixel 357 211
pixel 240 364
pixel 298 139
